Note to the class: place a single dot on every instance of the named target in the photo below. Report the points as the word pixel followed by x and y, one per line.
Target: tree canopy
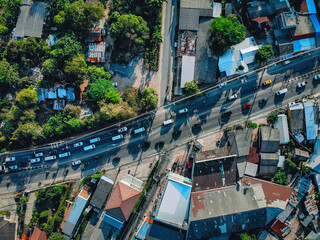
pixel 149 99
pixel 99 88
pixel 27 98
pixel 130 31
pixel 8 74
pixel 226 31
pixel 263 53
pixel 191 87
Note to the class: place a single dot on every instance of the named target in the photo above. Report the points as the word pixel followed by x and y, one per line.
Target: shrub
pixel 252 125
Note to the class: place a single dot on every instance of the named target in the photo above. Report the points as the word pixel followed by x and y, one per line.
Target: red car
pixel 247 106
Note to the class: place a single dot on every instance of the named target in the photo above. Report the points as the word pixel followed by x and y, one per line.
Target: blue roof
pixel 316 24
pixel 143 230
pixel 311 126
pixel 311 7
pixel 304 44
pixel 113 221
pixel 163 231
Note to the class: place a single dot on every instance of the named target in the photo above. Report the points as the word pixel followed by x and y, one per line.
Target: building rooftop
pixel 122 200
pixel 7 229
pixel 77 209
pixel 101 193
pixel 31 20
pixel 187 71
pixel 260 9
pixel 311 120
pixel 211 154
pixel 175 200
pixel 282 125
pixel 253 156
pixel 296 118
pixel 214 173
pixel 269 139
pixel 37 234
pixel 240 141
pixel 305 25
pixel 251 169
pixel 226 210
pixel 198 4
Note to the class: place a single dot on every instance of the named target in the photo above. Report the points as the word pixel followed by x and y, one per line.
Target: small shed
pixel 70 94
pixel 228 9
pixel 301 155
pixel 187 71
pixel 62 93
pixel 58 104
pixel 40 92
pixel 251 169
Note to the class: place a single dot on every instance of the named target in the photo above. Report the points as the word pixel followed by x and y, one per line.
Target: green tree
pixel 56 236
pixel 8 74
pixel 130 31
pixel 27 98
pixel 71 111
pixel 115 112
pixel 252 125
pixel 149 99
pixel 74 125
pixel 44 216
pixel 28 115
pixel 264 53
pixel 66 48
pixel 191 87
pixel 80 16
pixel 112 97
pixel 131 96
pixel 76 70
pixel 226 31
pixel 246 236
pixel 281 177
pixel 49 67
pixel 97 72
pixel 98 89
pixel 272 118
pixel 27 134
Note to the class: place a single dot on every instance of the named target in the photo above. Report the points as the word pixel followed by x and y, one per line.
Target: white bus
pixel 94 140
pixel 49 158
pixel 86 148
pixel 139 130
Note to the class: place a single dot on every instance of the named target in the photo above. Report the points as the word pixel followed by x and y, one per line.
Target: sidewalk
pixel 31 203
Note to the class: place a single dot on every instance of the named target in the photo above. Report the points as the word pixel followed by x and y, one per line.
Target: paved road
pixel 110 154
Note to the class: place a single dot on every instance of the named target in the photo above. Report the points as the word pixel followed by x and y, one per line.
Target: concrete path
pixel 31 203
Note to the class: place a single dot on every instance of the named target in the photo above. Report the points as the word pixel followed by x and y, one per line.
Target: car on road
pixel 316 77
pixel 66 148
pixel 281 92
pixel 263 100
pixel 268 82
pixel 14 167
pixel 232 97
pixel 75 163
pixel 35 160
pixel 39 154
pixel 66 154
pixel 115 84
pixel 92 146
pixel 222 84
pixel 226 114
pixel 49 158
pixel 302 84
pixel 286 62
pixel 118 137
pixel 167 122
pixel 247 106
pixel 184 110
pixel 124 129
pixel 10 159
pixel 78 144
pixel 139 130
pixel 94 140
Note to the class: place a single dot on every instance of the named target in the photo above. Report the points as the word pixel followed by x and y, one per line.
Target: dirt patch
pixel 82 88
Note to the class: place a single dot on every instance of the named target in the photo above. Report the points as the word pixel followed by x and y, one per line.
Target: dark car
pixel 197 125
pixel 264 100
pixel 226 114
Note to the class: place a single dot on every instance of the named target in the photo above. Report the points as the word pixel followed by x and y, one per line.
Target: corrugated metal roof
pixel 187 72
pixel 251 169
pixel 174 203
pixel 217 9
pixel 100 195
pixel 282 125
pixel 311 126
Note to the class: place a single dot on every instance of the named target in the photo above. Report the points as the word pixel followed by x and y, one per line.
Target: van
pixel 39 154
pixel 66 154
pixel 94 140
pixel 49 158
pixel 118 137
pixel 86 148
pixel 139 130
pixel 282 91
pixel 167 122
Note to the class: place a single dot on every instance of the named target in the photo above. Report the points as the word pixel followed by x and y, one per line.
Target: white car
pixel 124 129
pixel 232 97
pixel 78 144
pixel 302 84
pixel 184 110
pixel 35 160
pixel 222 84
pixel 10 159
pixel 115 84
pixel 115 138
pixel 14 167
pixel 66 154
pixel 316 77
pixel 40 154
pixel 74 163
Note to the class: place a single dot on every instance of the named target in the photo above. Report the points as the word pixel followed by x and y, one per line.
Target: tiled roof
pixel 38 234
pixel 240 141
pixel 7 229
pixel 122 201
pixel 280 228
pixel 272 191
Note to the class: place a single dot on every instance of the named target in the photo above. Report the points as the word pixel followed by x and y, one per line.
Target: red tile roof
pixel 262 20
pixel 122 201
pixel 253 156
pixel 95 37
pixel 280 228
pixel 304 7
pixel 271 191
pixel 38 234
